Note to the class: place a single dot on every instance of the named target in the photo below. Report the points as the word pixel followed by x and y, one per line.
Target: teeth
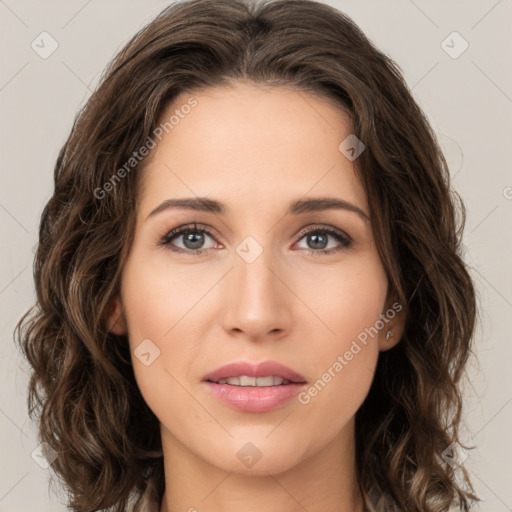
pixel 244 380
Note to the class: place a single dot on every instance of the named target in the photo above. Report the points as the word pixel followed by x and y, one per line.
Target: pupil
pixel 190 238
pixel 316 237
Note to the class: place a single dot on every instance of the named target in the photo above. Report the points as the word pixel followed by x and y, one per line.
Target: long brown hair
pixel 82 385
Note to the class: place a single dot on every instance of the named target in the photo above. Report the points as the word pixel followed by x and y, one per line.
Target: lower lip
pixel 253 398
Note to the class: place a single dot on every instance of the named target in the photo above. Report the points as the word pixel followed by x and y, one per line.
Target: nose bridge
pixel 255 283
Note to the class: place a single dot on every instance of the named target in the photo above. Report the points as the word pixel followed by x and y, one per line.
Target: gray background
pixel 467 99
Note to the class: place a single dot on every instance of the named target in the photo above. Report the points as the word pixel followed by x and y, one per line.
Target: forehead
pixel 251 144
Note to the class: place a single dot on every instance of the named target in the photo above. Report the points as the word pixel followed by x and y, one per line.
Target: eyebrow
pixel 297 207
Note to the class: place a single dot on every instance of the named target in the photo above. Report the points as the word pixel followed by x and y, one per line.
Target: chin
pixel 257 457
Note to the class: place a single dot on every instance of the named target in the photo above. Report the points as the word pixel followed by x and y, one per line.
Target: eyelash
pixel 345 240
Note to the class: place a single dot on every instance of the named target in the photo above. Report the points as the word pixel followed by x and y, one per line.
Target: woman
pixel 193 347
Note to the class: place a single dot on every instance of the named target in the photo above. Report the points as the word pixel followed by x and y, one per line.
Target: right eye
pixel 193 238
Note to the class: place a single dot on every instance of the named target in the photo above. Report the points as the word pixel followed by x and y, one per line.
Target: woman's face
pixel 258 287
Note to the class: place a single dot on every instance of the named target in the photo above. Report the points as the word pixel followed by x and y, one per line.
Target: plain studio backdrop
pixel 456 59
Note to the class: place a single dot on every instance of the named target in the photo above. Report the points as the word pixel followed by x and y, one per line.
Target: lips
pixel 237 393
pixel 264 369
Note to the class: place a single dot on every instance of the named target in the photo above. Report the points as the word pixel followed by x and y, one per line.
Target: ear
pixel 394 323
pixel 115 319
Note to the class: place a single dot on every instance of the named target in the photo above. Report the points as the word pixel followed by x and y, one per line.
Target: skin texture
pixel 255 149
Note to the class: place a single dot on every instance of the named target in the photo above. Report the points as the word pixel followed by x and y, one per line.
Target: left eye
pixel 194 237
pixel 319 236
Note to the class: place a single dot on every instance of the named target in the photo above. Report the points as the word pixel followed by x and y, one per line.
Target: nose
pixel 257 302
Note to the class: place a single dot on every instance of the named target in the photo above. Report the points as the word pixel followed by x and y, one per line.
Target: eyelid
pixel 326 228
pixel 343 238
pixel 173 233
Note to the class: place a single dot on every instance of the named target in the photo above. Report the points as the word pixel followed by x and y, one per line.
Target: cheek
pixel 348 304
pixel 163 309
pixel 159 299
pixel 346 300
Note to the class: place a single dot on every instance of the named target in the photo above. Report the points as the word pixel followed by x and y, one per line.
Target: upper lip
pixel 263 369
